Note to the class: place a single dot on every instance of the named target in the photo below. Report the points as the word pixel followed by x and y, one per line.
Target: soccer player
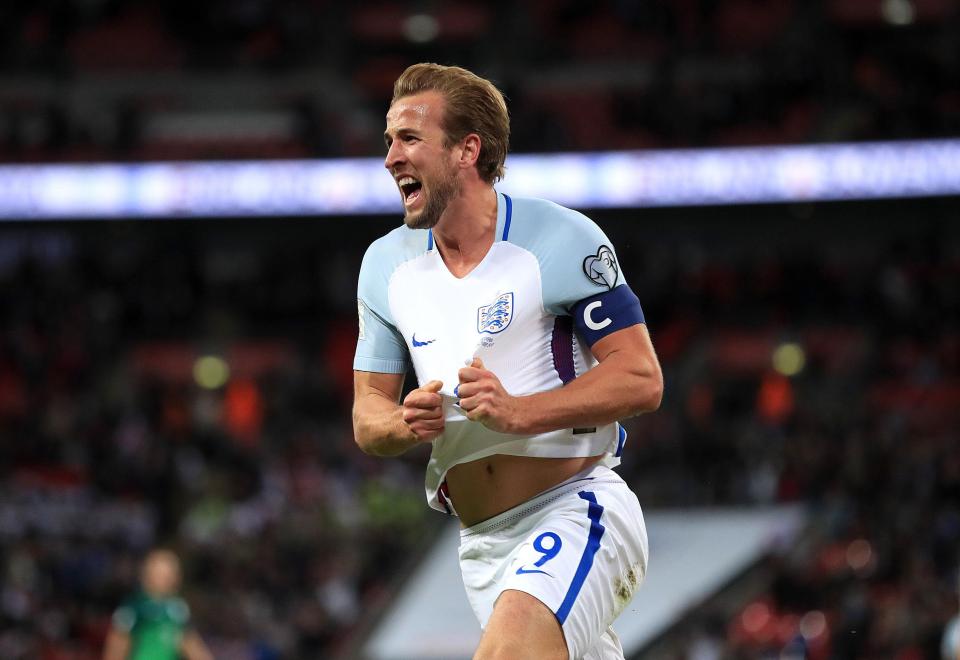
pixel 153 624
pixel 528 346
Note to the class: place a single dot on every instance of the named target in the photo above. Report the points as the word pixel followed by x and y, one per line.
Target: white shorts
pixel 580 548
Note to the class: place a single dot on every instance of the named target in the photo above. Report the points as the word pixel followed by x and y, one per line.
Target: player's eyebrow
pixel 387 138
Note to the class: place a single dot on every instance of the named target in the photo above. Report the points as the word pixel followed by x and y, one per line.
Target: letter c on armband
pixel 588 316
pixel 598 316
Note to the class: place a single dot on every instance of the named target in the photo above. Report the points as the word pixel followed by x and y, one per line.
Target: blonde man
pixel 528 346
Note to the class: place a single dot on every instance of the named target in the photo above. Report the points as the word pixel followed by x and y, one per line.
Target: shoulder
pixel 385 254
pixel 528 210
pixel 558 236
pixel 575 256
pixel 400 243
pixel 544 227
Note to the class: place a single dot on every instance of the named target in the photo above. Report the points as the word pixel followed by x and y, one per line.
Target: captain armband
pixel 605 313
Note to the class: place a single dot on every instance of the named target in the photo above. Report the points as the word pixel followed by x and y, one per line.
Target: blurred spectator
pixel 154 624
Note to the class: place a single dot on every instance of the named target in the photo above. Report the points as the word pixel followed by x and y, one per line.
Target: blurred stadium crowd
pixel 864 435
pixel 152 79
pixel 823 373
pixel 117 438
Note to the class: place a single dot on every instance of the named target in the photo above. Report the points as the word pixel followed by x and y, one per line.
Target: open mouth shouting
pixel 410 188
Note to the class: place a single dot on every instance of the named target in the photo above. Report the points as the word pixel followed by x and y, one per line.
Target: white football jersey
pixel 512 310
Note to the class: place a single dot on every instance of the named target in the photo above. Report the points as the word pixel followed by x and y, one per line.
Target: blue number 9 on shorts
pixel 548 553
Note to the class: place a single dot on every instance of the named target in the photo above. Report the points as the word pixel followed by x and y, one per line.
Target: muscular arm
pixel 117 645
pixel 382 426
pixel 626 382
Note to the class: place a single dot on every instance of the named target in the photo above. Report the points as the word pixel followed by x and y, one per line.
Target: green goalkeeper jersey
pixel 156 626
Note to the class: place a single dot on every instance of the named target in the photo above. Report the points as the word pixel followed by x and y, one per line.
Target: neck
pixel 467 229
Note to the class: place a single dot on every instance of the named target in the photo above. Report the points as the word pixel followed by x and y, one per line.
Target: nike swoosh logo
pixel 522 570
pixel 417 344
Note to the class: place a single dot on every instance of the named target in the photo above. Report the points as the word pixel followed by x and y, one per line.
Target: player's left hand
pixel 484 400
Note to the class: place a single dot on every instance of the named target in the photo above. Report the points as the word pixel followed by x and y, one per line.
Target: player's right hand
pixel 423 411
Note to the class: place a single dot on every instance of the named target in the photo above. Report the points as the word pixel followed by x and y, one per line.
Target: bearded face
pixel 434 196
pixel 418 156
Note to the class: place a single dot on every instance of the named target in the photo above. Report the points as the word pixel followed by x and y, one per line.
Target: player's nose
pixel 394 155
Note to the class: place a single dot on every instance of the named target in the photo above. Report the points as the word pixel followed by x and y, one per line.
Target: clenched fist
pixel 423 411
pixel 484 400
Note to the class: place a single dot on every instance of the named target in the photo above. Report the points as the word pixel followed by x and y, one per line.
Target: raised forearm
pixel 611 391
pixel 626 382
pixel 378 426
pixel 383 428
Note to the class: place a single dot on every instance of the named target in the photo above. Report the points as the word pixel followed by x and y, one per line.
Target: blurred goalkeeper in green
pixel 154 624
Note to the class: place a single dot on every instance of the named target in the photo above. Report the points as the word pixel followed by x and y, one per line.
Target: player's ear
pixel 470 150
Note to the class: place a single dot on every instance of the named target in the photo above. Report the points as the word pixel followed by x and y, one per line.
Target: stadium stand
pixel 148 80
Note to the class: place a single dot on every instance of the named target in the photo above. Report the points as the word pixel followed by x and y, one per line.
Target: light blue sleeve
pixel 577 260
pixel 380 346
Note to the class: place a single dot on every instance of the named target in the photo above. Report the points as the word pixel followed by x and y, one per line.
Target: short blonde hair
pixel 473 105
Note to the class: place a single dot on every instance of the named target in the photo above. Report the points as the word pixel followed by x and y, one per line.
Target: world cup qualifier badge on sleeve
pixel 601 268
pixel 361 312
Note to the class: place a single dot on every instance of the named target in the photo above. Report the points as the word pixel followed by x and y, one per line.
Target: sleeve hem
pixel 379 365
